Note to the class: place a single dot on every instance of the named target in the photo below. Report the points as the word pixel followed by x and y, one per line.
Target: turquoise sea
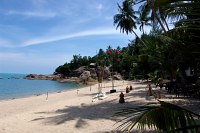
pixel 15 86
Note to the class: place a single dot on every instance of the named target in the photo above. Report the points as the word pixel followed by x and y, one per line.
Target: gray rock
pixel 107 73
pixel 93 73
pixel 78 72
pixel 117 77
pixel 84 77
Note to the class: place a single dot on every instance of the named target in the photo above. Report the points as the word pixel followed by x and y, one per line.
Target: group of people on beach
pixel 121 96
pixel 128 89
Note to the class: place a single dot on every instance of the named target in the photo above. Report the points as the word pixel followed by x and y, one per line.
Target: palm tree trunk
pixel 143 29
pixel 112 74
pixel 159 21
pixel 166 24
pixel 139 38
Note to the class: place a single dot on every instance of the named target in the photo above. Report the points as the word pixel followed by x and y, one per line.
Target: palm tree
pixel 143 20
pixel 161 10
pixel 151 7
pixel 185 36
pixel 126 19
pixel 163 117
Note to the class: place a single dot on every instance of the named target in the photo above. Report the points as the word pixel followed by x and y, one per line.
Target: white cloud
pixel 47 14
pixel 95 32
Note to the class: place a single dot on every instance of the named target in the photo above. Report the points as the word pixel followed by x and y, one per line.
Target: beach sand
pixel 70 111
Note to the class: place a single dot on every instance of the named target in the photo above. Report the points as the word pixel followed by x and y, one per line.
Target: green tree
pixel 162 117
pixel 126 19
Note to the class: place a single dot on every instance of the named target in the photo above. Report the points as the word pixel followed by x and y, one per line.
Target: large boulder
pixel 78 72
pixel 31 76
pixel 84 77
pixel 107 73
pixel 57 76
pixel 93 73
pixel 117 77
pixel 39 77
pixel 69 79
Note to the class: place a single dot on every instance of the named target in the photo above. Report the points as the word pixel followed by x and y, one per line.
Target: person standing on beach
pixel 121 98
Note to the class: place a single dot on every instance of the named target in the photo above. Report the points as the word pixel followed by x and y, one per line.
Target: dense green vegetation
pixel 75 63
pixel 164 51
pixel 160 53
pixel 162 116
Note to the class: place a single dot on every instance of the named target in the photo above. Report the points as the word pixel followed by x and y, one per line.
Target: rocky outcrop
pixel 117 77
pixel 78 72
pixel 69 79
pixel 107 73
pixel 85 76
pixel 43 77
pixel 31 76
pixel 93 73
pixel 81 75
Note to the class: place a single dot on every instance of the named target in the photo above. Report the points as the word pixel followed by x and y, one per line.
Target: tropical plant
pixel 126 19
pixel 185 33
pixel 162 117
pixel 143 20
pixel 150 7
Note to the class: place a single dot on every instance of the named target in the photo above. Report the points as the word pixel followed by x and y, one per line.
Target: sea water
pixel 15 86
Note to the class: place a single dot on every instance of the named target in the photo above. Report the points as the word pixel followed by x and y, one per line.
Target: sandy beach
pixel 71 111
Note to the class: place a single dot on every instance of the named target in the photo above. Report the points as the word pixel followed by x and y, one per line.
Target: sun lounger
pixel 99 96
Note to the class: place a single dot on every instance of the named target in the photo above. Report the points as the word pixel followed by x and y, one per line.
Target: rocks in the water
pixel 82 74
pixel 43 77
pixel 69 79
pixel 31 76
pixel 15 78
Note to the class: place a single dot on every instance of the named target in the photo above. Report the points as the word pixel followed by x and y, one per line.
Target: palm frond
pixel 161 117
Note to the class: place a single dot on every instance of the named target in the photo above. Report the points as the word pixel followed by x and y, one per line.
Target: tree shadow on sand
pixel 82 113
pixel 102 110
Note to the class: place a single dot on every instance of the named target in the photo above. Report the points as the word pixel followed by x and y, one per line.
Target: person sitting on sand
pixel 121 98
pixel 131 88
pixel 149 93
pixel 127 89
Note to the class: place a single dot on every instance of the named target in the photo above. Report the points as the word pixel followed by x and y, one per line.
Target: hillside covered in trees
pixel 161 52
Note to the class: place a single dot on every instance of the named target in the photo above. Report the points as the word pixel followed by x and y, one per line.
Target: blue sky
pixel 36 36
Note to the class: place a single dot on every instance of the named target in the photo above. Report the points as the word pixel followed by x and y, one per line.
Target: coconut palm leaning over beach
pixel 184 36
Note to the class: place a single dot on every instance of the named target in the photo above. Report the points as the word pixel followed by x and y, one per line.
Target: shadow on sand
pixel 85 112
pixel 96 111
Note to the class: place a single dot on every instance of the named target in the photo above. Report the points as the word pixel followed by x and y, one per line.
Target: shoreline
pixel 81 86
pixel 74 111
pixel 66 111
pixel 40 94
